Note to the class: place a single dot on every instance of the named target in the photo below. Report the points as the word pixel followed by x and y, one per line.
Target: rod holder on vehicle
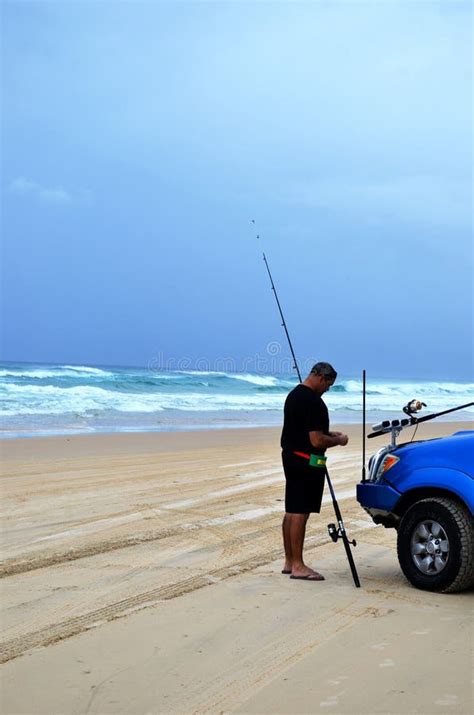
pixel 396 426
pixel 393 426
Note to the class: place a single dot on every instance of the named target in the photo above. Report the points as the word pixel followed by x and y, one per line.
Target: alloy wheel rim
pixel 429 547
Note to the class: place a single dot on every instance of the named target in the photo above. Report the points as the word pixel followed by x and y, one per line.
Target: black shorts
pixel 304 485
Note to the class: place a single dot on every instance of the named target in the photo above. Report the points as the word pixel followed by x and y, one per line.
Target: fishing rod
pixel 396 426
pixel 283 322
pixel 339 531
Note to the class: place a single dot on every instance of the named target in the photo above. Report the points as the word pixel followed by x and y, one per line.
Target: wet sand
pixel 141 574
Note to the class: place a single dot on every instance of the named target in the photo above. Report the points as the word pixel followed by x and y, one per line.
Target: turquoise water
pixel 68 399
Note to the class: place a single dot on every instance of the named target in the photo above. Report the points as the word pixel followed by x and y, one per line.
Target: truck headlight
pixel 389 461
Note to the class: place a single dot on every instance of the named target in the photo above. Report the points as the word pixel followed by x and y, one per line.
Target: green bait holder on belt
pixel 315 460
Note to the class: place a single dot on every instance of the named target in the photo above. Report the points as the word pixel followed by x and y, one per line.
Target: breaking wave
pixel 39 392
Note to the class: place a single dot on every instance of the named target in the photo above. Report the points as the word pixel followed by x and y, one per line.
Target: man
pixel 304 439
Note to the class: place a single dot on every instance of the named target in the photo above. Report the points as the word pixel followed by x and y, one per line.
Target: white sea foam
pixel 264 380
pixel 204 372
pixel 29 390
pixel 410 389
pixel 52 372
pixel 47 399
pixel 87 370
pixel 401 387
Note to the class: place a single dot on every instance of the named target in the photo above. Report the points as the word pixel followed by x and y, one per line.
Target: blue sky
pixel 141 138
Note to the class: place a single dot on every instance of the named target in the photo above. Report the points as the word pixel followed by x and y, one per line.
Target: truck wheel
pixel 435 545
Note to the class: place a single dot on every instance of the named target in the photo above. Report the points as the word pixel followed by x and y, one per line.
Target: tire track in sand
pixel 15 647
pixel 246 676
pixel 72 626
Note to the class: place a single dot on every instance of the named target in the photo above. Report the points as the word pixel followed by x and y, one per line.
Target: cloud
pixel 58 195
pixel 419 199
pixel 21 186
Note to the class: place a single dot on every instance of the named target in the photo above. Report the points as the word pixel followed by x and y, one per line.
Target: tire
pixel 435 545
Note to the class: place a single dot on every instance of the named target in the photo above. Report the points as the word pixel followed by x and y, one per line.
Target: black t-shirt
pixel 304 412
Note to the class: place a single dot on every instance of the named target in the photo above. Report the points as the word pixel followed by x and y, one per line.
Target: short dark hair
pixel 324 369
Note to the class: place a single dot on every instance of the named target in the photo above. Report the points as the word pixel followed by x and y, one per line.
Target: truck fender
pixel 449 480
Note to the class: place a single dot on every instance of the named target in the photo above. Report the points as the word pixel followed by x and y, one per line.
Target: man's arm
pixel 325 441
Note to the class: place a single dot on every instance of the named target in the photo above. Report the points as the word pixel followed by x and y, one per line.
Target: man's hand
pixel 324 441
pixel 342 438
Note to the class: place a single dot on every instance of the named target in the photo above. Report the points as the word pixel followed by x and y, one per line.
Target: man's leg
pixel 294 528
pixel 294 525
pixel 287 543
pixel 297 529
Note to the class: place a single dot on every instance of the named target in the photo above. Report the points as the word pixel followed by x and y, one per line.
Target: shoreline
pixel 55 446
pixel 257 422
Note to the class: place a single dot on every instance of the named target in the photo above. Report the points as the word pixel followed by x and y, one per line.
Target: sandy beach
pixel 141 574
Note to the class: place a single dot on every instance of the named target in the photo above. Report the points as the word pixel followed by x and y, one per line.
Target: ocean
pixel 38 400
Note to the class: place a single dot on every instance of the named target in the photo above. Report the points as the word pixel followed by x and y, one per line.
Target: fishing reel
pixel 336 533
pixel 413 407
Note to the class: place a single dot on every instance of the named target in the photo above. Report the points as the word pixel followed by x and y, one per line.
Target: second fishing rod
pixel 338 531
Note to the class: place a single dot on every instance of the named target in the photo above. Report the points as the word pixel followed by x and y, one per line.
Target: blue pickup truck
pixel 425 490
